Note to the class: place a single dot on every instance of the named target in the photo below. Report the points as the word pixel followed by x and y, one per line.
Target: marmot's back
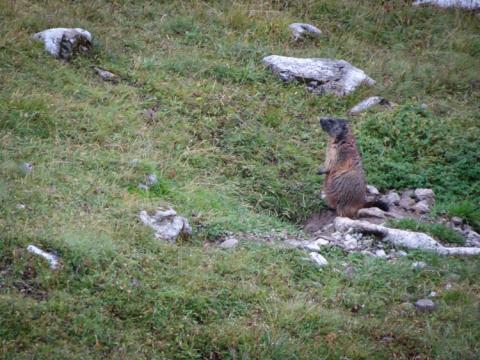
pixel 345 186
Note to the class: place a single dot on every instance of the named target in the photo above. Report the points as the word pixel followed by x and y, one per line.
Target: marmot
pixel 345 186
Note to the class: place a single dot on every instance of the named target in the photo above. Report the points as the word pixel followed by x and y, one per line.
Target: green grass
pixel 234 150
pixel 438 231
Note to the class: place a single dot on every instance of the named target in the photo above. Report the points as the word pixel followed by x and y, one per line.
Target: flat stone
pixel 322 76
pixel 425 305
pixel 371 212
pixel 106 75
pixel 322 242
pixel 229 243
pixel 318 259
pixel 368 103
pixel 463 4
pixel 300 30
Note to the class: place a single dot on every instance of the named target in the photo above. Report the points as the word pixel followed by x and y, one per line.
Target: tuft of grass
pixel 438 231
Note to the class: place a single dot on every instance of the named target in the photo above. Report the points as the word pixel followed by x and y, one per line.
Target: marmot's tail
pixel 377 203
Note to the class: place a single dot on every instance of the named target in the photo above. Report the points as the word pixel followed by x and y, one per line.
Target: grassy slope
pixel 236 150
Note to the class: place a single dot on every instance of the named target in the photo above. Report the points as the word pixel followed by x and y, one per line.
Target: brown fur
pixel 344 186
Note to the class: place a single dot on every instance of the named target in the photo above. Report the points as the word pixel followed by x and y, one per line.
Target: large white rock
pixel 166 224
pixel 64 42
pixel 464 4
pixel 401 238
pixel 322 76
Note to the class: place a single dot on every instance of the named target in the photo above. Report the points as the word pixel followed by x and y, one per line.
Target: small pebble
pixel 143 187
pixel 151 180
pixel 425 305
pixel 418 265
pixel 318 259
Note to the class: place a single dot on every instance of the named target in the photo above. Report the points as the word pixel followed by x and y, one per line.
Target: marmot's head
pixel 335 128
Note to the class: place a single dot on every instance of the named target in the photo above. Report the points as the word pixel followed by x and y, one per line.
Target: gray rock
pixel 293 243
pixel 368 103
pixel 106 75
pixel 318 259
pixel 25 168
pixel 311 246
pixel 303 244
pixel 421 207
pixel 229 243
pixel 425 195
pixel 63 43
pixel 52 259
pixel 380 253
pixel 391 198
pixel 350 242
pixel 143 187
pixel 425 305
pixel 372 190
pixel 463 4
pixel 322 242
pixel 457 221
pixel 408 193
pixel 401 253
pixel 433 294
pixel 300 30
pixel 151 180
pixel 167 224
pixel 473 238
pixel 371 212
pixel 406 202
pixel 322 76
pixel 418 265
